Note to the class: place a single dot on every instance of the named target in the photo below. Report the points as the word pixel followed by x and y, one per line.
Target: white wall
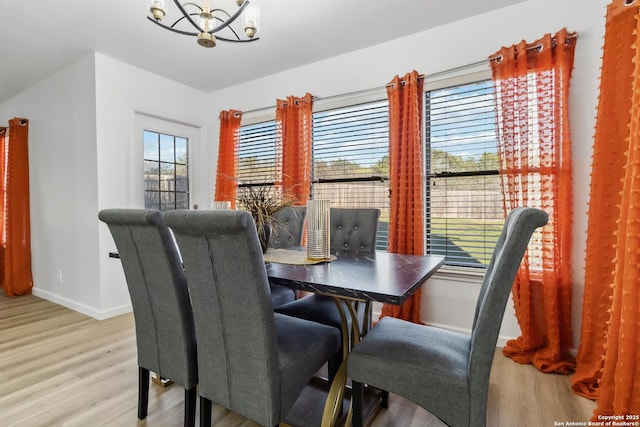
pixel 62 164
pixel 450 301
pixel 81 137
pixel 121 92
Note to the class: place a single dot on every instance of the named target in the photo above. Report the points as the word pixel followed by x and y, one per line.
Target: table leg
pixel 334 399
pixel 337 388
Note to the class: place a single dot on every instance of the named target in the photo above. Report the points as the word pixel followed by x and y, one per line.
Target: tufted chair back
pixel 287 232
pixel 354 229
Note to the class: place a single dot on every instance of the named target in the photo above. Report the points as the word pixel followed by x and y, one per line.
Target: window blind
pixel 257 154
pixel 351 159
pixel 463 197
pixel 464 211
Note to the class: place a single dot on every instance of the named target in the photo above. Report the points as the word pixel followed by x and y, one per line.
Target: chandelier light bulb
pixel 158 8
pixel 251 21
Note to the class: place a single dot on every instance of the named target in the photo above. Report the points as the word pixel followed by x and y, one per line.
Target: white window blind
pixel 351 159
pixel 256 154
pixel 464 213
pixel 463 198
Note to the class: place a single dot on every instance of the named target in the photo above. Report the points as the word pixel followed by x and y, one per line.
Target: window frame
pixel 346 101
pixel 197 160
pixel 444 80
pixel 174 165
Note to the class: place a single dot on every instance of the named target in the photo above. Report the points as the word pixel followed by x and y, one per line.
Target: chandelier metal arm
pixel 224 39
pixel 223 11
pixel 231 19
pixel 230 29
pixel 186 15
pixel 186 33
pixel 189 3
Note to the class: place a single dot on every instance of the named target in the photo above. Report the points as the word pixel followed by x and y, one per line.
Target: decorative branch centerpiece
pixel 263 202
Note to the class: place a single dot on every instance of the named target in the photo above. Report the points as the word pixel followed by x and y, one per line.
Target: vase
pixel 318 221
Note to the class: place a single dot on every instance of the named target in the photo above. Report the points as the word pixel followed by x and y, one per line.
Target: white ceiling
pixel 38 38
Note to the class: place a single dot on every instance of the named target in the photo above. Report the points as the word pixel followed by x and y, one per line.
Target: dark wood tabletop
pixel 378 276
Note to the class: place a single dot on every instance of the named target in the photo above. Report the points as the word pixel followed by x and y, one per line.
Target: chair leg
pixel 190 407
pixel 357 396
pixel 205 412
pixel 143 392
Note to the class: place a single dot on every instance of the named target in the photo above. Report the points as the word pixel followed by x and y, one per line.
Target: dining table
pixel 351 278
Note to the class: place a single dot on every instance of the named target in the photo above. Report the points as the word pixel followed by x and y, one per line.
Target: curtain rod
pixel 436 74
pixel 370 90
pixel 379 88
pixel 538 46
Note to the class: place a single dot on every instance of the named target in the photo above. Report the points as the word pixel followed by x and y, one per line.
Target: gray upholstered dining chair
pixel 165 332
pixel 286 233
pixel 288 227
pixel 250 360
pixel 447 373
pixel 352 229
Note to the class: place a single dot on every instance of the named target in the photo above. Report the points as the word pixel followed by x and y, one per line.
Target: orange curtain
pixel 620 383
pixel 532 86
pixel 226 185
pixel 293 146
pixel 406 221
pixel 3 184
pixel 15 225
pixel 608 362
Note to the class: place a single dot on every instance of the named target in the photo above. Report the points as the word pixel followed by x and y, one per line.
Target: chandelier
pixel 209 21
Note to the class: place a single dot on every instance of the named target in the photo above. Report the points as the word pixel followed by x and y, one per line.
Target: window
pixel 463 199
pixel 166 171
pixel 351 159
pixel 257 154
pixel 464 213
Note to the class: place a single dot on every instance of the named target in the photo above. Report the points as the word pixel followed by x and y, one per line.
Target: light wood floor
pixel 61 368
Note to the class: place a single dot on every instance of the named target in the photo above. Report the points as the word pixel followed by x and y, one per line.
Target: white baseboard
pixel 82 308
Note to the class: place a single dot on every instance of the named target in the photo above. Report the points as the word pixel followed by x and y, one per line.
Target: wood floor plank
pixel 61 368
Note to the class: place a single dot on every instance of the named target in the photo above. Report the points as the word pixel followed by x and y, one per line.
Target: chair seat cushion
pixel 304 347
pixel 422 363
pixel 281 294
pixel 317 308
